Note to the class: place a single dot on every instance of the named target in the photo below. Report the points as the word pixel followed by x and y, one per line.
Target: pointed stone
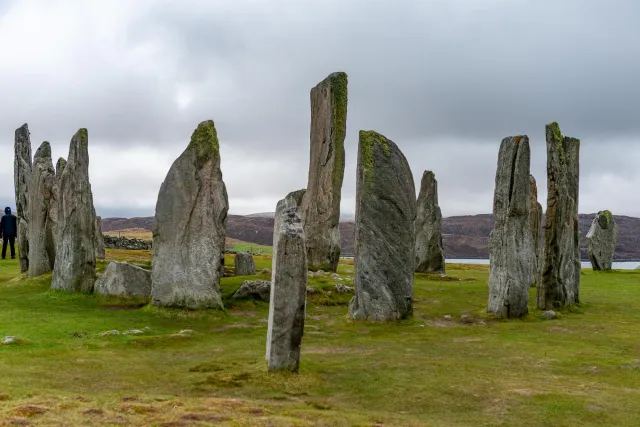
pixel 55 200
pixel 385 232
pixel 429 252
pixel 289 286
pixel 22 181
pixel 558 283
pixel 512 269
pixel 190 227
pixel 99 238
pixel 75 264
pixel 601 240
pixel 321 206
pixel 41 241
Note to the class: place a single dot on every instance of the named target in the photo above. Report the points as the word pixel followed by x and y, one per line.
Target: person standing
pixel 8 231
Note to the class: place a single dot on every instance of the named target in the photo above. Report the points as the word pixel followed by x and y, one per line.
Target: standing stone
pixel 289 286
pixel 99 238
pixel 428 224
pixel 536 223
pixel 41 241
pixel 385 233
pixel 190 227
pixel 22 182
pixel 512 269
pixel 558 284
pixel 321 206
pixel 55 199
pixel 244 264
pixel 75 264
pixel 601 240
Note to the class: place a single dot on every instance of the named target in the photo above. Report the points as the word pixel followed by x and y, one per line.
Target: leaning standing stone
pixel 558 283
pixel 601 240
pixel 75 264
pixel 289 286
pixel 428 224
pixel 321 206
pixel 190 226
pixel 385 233
pixel 512 255
pixel 244 264
pixel 22 182
pixel 41 241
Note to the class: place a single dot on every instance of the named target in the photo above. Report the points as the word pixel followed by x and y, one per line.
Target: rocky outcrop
pixel 99 238
pixel 55 200
pixel 512 255
pixel 601 240
pixel 428 225
pixel 124 279
pixel 190 226
pixel 22 182
pixel 75 263
pixel 244 264
pixel 121 242
pixel 255 289
pixel 535 219
pixel 558 283
pixel 289 286
pixel 385 233
pixel 321 207
pixel 41 242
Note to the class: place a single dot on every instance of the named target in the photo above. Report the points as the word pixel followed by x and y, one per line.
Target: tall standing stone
pixel 75 264
pixel 55 199
pixel 22 182
pixel 99 238
pixel 190 226
pixel 289 286
pixel 601 240
pixel 41 242
pixel 536 223
pixel 512 269
pixel 429 252
pixel 321 206
pixel 558 284
pixel 385 232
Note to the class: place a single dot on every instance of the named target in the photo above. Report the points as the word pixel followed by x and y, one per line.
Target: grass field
pixel 467 370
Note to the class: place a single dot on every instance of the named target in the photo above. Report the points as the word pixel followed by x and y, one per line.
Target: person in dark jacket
pixel 8 231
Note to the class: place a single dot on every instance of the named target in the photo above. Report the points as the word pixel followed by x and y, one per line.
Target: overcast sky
pixel 446 80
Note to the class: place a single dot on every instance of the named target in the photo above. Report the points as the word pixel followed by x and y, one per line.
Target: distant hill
pixel 463 236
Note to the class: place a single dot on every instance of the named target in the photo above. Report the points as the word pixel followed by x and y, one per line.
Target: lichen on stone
pixel 556 134
pixel 339 94
pixel 84 136
pixel 204 140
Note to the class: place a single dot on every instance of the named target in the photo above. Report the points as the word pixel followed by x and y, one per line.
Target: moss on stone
pixel 204 140
pixel 84 136
pixel 556 135
pixel 605 218
pixel 339 99
pixel 368 139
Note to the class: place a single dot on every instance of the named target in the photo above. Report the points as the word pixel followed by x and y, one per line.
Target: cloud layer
pixel 445 80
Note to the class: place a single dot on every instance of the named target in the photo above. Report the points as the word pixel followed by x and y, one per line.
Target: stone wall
pixel 113 242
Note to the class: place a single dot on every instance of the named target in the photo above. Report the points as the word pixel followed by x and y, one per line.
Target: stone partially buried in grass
pixel 124 279
pixel 289 286
pixel 385 238
pixel 244 264
pixel 190 227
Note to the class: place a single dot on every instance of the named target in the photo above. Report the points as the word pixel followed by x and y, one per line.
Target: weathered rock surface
pixel 244 264
pixel 99 238
pixel 558 283
pixel 601 240
pixel 256 289
pixel 42 251
pixel 190 226
pixel 121 278
pixel 512 255
pixel 22 182
pixel 428 225
pixel 75 262
pixel 289 286
pixel 385 232
pixel 321 206
pixel 55 200
pixel 535 219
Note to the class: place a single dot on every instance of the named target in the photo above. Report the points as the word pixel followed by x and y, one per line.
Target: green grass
pixel 580 369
